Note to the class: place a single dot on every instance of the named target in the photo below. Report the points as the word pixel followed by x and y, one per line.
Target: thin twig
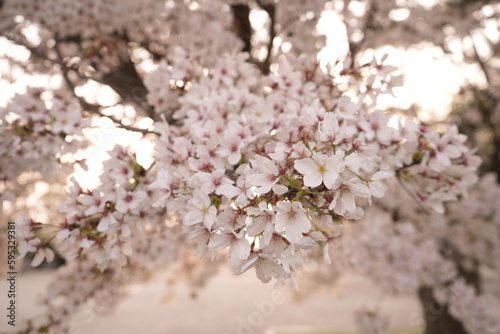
pixel 411 193
pixel 479 60
pixel 119 122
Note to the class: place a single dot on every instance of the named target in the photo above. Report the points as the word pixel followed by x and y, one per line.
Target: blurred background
pixel 447 51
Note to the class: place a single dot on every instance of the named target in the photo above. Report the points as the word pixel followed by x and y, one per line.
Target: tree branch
pixel 241 15
pixel 119 122
pixel 479 60
pixel 411 193
pixel 125 81
pixel 92 108
pixel 271 11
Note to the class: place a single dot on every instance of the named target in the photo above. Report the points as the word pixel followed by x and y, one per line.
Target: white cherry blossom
pixel 292 218
pixel 320 168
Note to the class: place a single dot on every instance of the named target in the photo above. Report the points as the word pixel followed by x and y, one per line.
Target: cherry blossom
pixel 262 154
pixel 200 210
pixel 320 169
pixel 268 179
pixel 292 218
pixel 474 309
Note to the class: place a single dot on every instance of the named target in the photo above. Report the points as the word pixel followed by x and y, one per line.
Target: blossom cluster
pixel 95 36
pixel 270 166
pixel 75 287
pixel 402 247
pixel 267 167
pixel 91 18
pixel 474 226
pixel 102 229
pixel 394 255
pixel 40 132
pixel 260 167
pixel 476 311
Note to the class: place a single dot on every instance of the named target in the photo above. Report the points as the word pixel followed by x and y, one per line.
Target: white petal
pixel 49 255
pixel 382 174
pixel 125 230
pixel 38 258
pixel 240 250
pixel 295 228
pixel 266 165
pixel 62 234
pixel 192 218
pixel 127 249
pixel 313 179
pixel 306 165
pixel 103 224
pixel 220 241
pixel 279 189
pixel 229 190
pixel 329 178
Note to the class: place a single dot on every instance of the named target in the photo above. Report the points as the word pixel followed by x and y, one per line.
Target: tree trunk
pixel 242 25
pixel 438 320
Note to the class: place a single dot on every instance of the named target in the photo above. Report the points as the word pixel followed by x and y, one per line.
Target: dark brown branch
pixel 92 108
pixel 124 79
pixel 241 15
pixel 119 80
pixel 243 29
pixel 127 83
pixel 271 11
pixel 119 122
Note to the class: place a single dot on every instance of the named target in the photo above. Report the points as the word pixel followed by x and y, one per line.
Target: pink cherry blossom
pixel 320 168
pixel 269 177
pixel 292 218
pixel 200 210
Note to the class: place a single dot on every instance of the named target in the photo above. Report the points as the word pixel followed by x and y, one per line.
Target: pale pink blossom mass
pixel 238 148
